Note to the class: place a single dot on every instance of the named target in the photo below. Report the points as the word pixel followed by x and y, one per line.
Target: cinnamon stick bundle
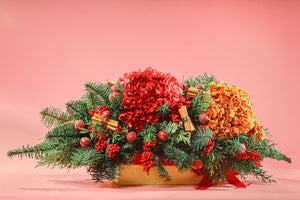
pixel 192 92
pixel 188 124
pixel 108 123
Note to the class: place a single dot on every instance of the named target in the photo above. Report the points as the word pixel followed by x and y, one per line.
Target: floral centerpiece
pixel 147 118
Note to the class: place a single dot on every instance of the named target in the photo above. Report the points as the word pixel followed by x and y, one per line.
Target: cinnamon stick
pixel 188 124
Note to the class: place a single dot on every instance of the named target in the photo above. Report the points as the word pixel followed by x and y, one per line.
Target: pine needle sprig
pixel 199 105
pixel 204 79
pixel 64 130
pixel 200 139
pixel 85 156
pixel 100 89
pixel 52 116
pixel 164 111
pixel 163 173
pixel 60 155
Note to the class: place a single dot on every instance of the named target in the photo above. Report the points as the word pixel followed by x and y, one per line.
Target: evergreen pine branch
pixel 169 127
pixel 207 79
pixel 63 131
pixel 127 146
pixel 182 160
pixel 52 116
pixel 101 90
pixel 247 167
pixel 39 150
pixel 200 139
pixel 79 109
pixel 85 156
pixel 229 146
pixel 115 106
pixel 199 105
pixel 106 169
pixel 89 98
pixel 265 147
pixel 204 79
pixel 163 173
pixel 31 151
pixel 60 155
pixel 164 110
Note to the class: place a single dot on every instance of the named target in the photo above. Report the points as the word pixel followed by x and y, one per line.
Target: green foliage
pixel 100 90
pixel 63 130
pixel 106 169
pixel 149 133
pixel 265 147
pixel 84 156
pixel 54 152
pixel 204 79
pixel 60 155
pixel 115 105
pixel 164 111
pixel 200 138
pixel 182 159
pixel 163 173
pixel 199 105
pixel 32 151
pixel 52 116
pixel 117 138
pixel 176 132
pixel 79 108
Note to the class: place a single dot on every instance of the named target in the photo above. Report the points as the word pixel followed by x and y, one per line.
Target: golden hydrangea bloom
pixel 231 112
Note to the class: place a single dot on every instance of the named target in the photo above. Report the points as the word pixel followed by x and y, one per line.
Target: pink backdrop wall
pixel 49 49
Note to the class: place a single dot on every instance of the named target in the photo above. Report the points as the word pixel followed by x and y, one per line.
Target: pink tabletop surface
pixel 49 49
pixel 40 184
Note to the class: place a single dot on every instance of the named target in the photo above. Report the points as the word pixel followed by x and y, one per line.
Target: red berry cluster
pixel 253 156
pixel 145 92
pixel 175 117
pixel 101 144
pixel 112 150
pixel 100 110
pixel 210 144
pixel 71 117
pixel 147 161
pixel 119 129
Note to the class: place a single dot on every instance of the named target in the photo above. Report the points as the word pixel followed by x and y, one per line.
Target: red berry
pixel 198 164
pixel 203 118
pixel 79 124
pixel 114 88
pixel 106 113
pixel 200 87
pixel 131 136
pixel 162 135
pixel 92 112
pixel 85 142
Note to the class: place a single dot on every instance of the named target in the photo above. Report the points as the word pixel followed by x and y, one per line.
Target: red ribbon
pixel 204 184
pixel 232 179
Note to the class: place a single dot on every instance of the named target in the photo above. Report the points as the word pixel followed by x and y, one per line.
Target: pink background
pixel 49 49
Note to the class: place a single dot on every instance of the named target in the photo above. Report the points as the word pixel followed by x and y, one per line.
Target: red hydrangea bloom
pixel 145 91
